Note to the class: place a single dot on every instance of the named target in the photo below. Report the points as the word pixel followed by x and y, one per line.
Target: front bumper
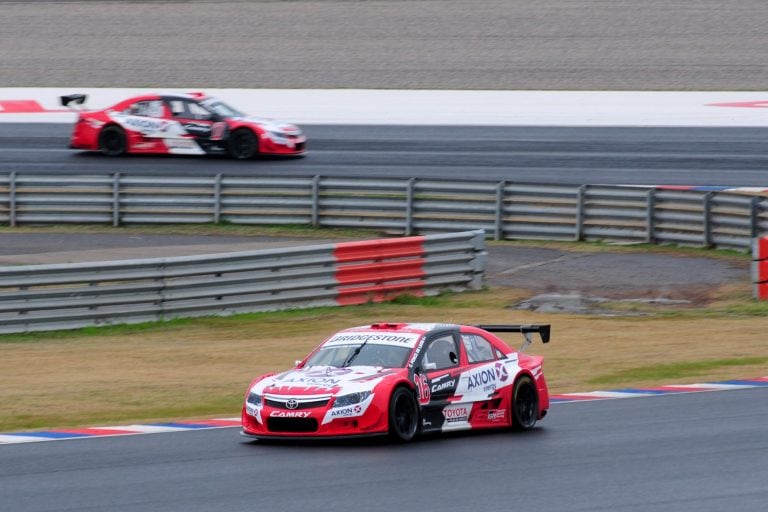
pixel 312 423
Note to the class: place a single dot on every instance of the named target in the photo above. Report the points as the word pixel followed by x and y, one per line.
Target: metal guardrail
pixel 67 296
pixel 504 210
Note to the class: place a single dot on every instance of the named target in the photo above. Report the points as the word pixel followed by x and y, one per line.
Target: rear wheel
pixel 112 141
pixel 403 415
pixel 525 404
pixel 243 144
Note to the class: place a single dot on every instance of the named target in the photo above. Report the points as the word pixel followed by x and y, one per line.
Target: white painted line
pixel 145 429
pixel 6 439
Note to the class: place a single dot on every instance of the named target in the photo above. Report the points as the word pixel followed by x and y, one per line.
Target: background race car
pixel 187 124
pixel 402 380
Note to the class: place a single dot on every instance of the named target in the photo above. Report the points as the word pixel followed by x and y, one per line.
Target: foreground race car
pixel 182 124
pixel 402 380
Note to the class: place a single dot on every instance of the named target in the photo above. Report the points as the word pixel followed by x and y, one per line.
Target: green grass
pixel 671 372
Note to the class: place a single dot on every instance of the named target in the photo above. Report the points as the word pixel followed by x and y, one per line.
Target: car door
pixel 199 123
pixel 436 378
pixel 485 382
pixel 145 124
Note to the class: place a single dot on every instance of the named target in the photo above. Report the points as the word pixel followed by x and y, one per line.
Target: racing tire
pixel 403 415
pixel 243 144
pixel 112 141
pixel 525 404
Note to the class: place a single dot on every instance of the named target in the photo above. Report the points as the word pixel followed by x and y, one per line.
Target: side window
pixel 478 348
pixel 441 352
pixel 177 108
pixel 153 108
pixel 198 111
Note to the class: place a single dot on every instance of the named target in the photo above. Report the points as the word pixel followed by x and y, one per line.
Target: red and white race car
pixel 402 380
pixel 182 124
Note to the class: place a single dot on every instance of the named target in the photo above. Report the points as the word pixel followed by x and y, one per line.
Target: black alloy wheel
pixel 112 141
pixel 525 404
pixel 243 144
pixel 403 415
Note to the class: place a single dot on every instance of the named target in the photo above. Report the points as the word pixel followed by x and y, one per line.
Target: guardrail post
pixel 578 233
pixel 217 199
pixel 315 214
pixel 12 199
pixel 650 216
pixel 707 219
pixel 409 207
pixel 754 217
pixel 116 200
pixel 498 231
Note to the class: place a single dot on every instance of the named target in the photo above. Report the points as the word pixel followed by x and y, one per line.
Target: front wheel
pixel 525 404
pixel 243 144
pixel 112 141
pixel 403 415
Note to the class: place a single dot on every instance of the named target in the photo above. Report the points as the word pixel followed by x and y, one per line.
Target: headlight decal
pixel 348 408
pixel 253 405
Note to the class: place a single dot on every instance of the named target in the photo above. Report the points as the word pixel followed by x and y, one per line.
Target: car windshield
pixel 221 108
pixel 370 354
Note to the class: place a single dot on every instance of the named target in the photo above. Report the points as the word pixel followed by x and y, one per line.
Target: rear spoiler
pixel 77 99
pixel 543 330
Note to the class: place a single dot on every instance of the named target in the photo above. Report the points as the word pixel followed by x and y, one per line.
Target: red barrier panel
pixel 760 267
pixel 379 270
pixel 379 249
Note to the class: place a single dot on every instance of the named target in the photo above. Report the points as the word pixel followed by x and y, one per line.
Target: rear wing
pixel 75 99
pixel 527 331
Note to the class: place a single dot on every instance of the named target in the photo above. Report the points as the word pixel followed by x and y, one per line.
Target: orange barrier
pixel 760 267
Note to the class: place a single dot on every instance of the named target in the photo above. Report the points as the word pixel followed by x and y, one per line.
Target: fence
pixel 67 296
pixel 504 210
pixel 760 268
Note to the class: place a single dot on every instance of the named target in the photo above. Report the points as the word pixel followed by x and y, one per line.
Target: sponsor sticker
pixel 457 413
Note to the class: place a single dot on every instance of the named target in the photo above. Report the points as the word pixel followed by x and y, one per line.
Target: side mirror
pixel 297 362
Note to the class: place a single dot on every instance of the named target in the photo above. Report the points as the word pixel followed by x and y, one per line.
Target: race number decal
pixel 422 388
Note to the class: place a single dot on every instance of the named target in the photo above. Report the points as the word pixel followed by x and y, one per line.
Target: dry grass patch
pixel 201 367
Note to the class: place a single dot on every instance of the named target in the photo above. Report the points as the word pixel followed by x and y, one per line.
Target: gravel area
pixel 411 44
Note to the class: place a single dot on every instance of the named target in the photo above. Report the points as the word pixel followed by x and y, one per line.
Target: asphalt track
pixel 697 452
pixel 651 156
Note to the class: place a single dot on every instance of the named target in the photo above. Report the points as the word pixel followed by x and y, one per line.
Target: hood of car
pixel 324 380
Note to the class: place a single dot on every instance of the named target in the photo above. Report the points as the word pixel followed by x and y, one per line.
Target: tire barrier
pixel 70 296
pixel 760 268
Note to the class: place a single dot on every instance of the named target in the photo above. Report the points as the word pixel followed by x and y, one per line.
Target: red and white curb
pixel 190 425
pixel 122 430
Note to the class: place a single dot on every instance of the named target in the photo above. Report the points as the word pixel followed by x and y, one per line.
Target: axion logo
pixel 481 378
pixel 501 372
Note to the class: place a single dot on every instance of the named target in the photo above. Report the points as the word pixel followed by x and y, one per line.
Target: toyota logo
pixel 292 403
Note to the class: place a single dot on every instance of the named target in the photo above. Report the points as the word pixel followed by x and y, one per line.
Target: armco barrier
pixel 504 210
pixel 760 267
pixel 67 296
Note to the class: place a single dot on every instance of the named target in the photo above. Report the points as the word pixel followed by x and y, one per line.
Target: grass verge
pixel 201 367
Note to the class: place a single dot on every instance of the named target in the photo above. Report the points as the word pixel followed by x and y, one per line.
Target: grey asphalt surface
pixel 681 156
pixel 688 453
pixel 433 44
